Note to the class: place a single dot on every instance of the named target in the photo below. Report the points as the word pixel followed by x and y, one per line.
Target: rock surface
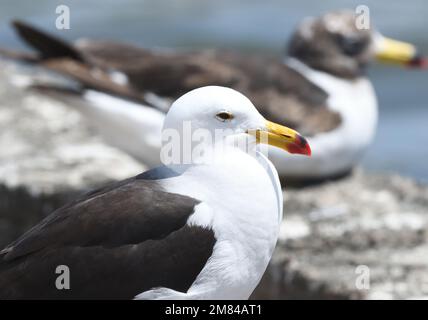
pixel 363 237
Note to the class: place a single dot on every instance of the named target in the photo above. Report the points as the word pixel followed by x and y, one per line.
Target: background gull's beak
pixel 283 138
pixel 398 52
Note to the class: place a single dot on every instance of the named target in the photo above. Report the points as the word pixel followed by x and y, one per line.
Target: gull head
pixel 210 115
pixel 344 42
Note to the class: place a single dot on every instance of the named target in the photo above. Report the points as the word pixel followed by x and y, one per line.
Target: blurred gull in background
pixel 321 89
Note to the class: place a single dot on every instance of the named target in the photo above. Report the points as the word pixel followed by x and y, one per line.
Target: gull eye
pixel 352 46
pixel 224 116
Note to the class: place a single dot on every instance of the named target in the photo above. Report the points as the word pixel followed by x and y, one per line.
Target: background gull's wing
pixel 276 89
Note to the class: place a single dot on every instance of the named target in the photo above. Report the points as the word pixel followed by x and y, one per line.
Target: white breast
pixel 242 203
pixel 340 149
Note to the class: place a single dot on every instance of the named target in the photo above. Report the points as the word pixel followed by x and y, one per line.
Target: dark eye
pixel 224 116
pixel 352 46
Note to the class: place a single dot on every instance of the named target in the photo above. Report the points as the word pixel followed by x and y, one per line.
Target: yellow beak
pixel 282 137
pixel 398 52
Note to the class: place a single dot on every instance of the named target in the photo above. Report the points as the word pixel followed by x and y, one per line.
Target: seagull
pixel 203 228
pixel 320 88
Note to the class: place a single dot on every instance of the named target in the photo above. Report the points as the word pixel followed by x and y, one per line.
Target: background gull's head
pixel 334 43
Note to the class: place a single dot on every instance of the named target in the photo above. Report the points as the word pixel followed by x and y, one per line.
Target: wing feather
pixel 117 241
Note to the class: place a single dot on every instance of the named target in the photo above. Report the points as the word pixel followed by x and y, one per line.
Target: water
pixel 401 142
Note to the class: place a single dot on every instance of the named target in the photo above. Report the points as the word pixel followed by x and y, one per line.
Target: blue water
pixel 401 144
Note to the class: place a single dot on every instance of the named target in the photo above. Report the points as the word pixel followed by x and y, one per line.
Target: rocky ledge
pixel 363 237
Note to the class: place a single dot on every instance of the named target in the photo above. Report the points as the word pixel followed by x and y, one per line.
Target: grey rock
pixel 48 154
pixel 335 234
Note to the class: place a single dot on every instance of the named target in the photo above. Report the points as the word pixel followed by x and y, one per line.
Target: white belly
pixel 342 148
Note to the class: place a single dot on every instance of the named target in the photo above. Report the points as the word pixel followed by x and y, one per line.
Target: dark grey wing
pixel 104 54
pixel 90 78
pixel 46 45
pixel 280 93
pixel 117 242
pixel 89 65
pixel 111 55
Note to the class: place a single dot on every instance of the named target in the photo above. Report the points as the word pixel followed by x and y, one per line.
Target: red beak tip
pixel 301 147
pixel 305 146
pixel 308 150
pixel 419 62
